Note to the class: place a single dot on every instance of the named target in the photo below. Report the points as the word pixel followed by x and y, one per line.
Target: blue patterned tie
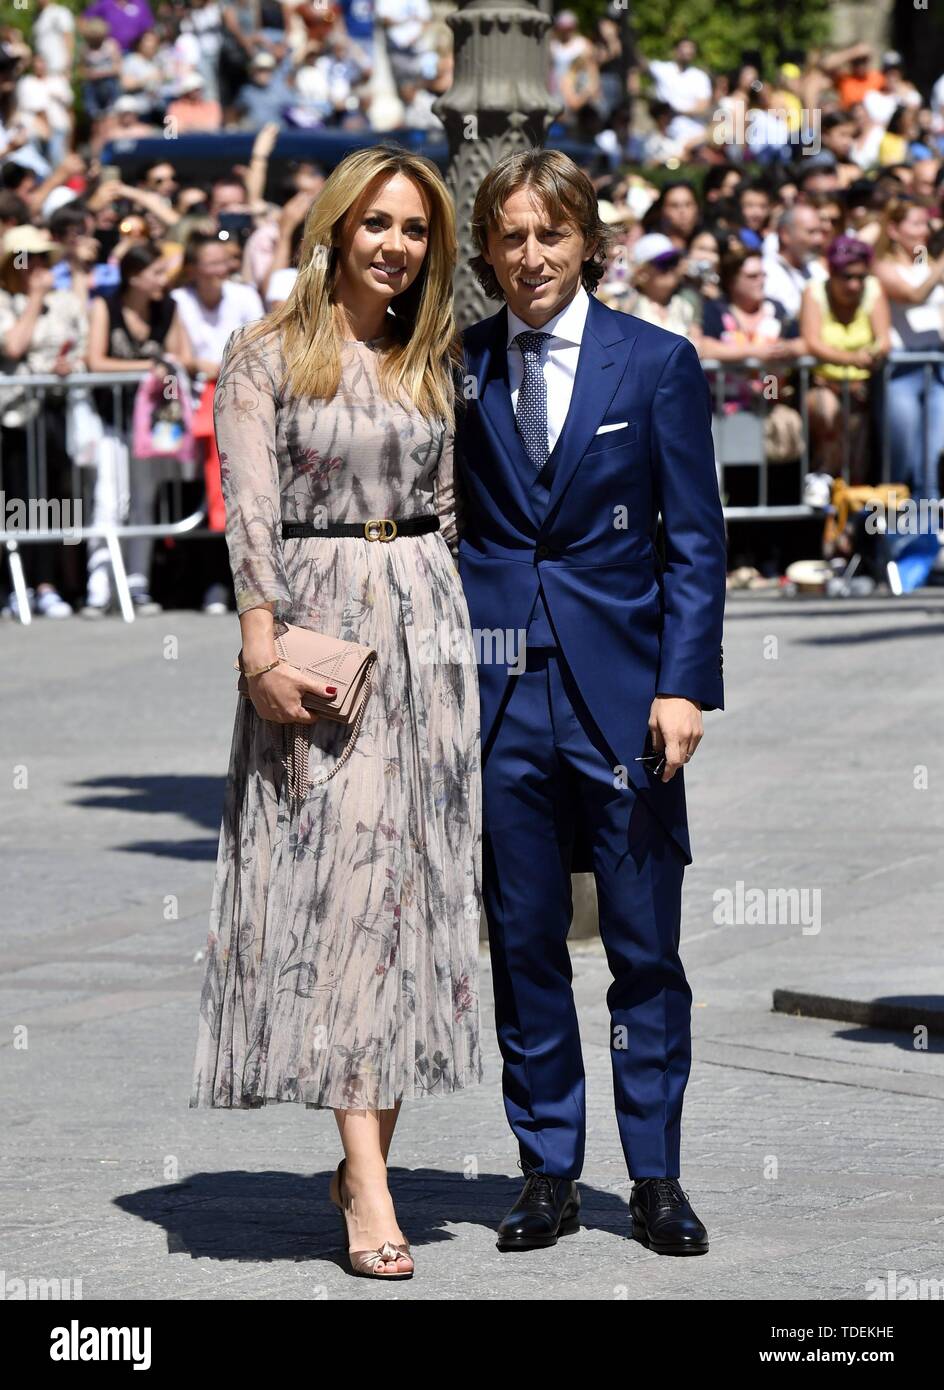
pixel 531 405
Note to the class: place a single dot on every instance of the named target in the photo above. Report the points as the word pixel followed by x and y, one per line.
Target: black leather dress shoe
pixel 663 1220
pixel 547 1208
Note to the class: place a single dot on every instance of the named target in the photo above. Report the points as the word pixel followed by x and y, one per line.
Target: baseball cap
pixel 57 199
pixel 655 249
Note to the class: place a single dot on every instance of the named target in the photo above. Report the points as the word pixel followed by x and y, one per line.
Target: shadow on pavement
pixel 198 799
pixel 237 1215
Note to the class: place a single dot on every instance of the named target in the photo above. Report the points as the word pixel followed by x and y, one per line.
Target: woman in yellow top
pixel 844 321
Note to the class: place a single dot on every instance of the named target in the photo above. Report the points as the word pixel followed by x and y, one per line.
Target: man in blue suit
pixel 581 427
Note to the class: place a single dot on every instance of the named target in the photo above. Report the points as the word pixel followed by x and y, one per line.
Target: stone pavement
pixel 812 1150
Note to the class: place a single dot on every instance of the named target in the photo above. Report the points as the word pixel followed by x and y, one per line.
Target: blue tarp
pixel 198 156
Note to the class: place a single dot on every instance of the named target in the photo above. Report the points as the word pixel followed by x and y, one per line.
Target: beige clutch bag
pixel 347 665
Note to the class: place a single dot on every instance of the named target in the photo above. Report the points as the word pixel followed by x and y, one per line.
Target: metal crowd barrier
pixel 80 482
pixel 739 443
pixel 739 436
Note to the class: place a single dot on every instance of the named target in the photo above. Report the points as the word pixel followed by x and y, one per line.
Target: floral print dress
pixel 343 946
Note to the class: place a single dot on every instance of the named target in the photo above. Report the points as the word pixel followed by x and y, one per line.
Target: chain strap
pixel 296 761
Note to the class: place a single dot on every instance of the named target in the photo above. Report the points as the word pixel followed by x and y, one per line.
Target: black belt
pixel 381 528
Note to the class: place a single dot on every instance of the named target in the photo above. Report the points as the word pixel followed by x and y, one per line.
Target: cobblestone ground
pixel 811 1149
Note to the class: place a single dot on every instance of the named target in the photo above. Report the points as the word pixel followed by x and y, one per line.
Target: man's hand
pixel 676 726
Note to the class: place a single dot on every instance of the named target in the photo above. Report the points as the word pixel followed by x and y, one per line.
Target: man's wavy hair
pixel 567 196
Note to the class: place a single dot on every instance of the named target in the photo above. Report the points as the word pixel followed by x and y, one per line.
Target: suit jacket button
pixel 542 552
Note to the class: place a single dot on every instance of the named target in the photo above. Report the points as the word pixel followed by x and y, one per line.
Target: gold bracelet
pixel 262 669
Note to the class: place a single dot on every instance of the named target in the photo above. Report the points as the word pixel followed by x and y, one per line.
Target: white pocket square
pixel 620 425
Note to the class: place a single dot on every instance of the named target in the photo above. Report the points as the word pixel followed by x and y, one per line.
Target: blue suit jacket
pixel 628 627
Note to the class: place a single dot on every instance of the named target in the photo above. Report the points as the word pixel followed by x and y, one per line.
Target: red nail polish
pixel 331 690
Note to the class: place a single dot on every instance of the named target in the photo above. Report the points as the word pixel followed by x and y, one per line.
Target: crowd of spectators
pixel 776 272
pixel 770 217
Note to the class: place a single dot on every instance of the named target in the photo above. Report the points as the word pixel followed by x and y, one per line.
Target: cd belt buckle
pixel 382 528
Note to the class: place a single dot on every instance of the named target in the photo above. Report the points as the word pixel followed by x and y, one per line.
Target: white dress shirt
pixel 208 329
pixel 785 283
pixel 559 356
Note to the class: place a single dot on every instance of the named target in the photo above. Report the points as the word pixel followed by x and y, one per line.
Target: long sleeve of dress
pixel 244 419
pixel 448 494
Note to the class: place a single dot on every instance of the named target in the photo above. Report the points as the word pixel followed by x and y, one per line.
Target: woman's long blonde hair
pixel 427 348
pixel 893 214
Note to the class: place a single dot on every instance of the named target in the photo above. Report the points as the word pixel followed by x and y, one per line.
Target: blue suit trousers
pixel 547 769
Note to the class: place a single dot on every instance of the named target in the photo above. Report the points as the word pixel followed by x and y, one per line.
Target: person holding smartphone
pixel 42 329
pixel 135 328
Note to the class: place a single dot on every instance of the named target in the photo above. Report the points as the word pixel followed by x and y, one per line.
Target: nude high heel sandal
pixel 365 1262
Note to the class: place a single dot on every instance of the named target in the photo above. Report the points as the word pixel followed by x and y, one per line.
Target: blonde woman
pixel 343 948
pixel 913 280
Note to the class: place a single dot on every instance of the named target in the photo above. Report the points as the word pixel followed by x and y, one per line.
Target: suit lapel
pixel 604 352
pixel 495 407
